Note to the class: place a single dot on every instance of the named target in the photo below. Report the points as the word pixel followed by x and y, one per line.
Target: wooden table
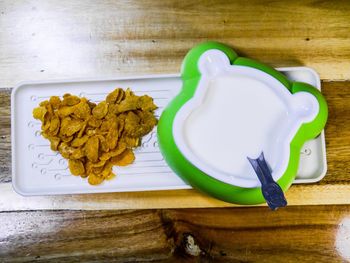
pixel 42 40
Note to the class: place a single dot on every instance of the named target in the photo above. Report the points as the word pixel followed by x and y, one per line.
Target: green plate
pixel 191 76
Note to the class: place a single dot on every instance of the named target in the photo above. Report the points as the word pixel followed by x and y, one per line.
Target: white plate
pixel 37 170
pixel 267 114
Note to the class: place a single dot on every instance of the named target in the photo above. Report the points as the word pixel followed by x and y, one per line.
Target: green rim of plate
pixel 190 75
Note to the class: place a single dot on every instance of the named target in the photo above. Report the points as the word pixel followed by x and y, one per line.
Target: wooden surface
pixel 304 234
pixel 63 39
pixel 69 39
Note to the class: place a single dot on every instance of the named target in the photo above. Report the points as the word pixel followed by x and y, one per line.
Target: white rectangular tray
pixel 37 170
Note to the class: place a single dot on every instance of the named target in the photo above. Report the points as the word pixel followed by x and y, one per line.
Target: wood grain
pixel 297 195
pixel 77 236
pixel 338 134
pixel 306 234
pixel 69 39
pixel 5 135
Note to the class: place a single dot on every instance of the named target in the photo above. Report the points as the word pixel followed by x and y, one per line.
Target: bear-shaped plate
pixel 231 108
pixel 239 112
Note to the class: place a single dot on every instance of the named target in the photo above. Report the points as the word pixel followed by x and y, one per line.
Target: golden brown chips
pixel 54 125
pixel 76 167
pixel 92 148
pixel 100 110
pixel 72 127
pixel 115 96
pixel 55 101
pixel 123 159
pixel 54 142
pixel 39 113
pixel 70 100
pixel 77 142
pixel 95 137
pixel 82 110
pixel 94 179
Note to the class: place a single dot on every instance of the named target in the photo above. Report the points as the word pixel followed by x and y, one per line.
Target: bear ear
pixel 305 106
pixel 189 67
pixel 212 62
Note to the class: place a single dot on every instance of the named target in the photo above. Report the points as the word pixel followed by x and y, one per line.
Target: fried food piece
pixel 82 130
pixel 132 122
pixel 107 169
pixel 54 125
pixel 66 139
pixel 103 143
pixel 77 142
pixel 99 164
pixel 121 148
pixel 88 167
pixel 115 96
pixel 104 126
pixel 130 142
pixel 112 135
pixel 76 167
pixel 91 148
pixel 39 113
pixel 54 142
pixel 93 179
pixel 65 150
pixel 65 111
pixel 130 103
pixel 125 158
pixel 100 110
pixel 77 153
pixel 46 124
pixel 91 104
pixel 82 109
pixel 148 122
pixel 95 123
pixel 55 102
pixel 146 103
pixel 110 176
pixel 72 126
pixel 70 100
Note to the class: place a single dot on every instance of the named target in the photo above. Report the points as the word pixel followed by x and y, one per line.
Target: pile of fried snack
pixel 95 137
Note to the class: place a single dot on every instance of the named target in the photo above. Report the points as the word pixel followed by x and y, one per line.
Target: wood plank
pixel 5 135
pixel 306 234
pixel 66 39
pixel 338 133
pixel 78 236
pixel 313 194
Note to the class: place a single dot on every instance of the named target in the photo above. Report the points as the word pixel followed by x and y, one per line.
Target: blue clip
pixel 271 191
